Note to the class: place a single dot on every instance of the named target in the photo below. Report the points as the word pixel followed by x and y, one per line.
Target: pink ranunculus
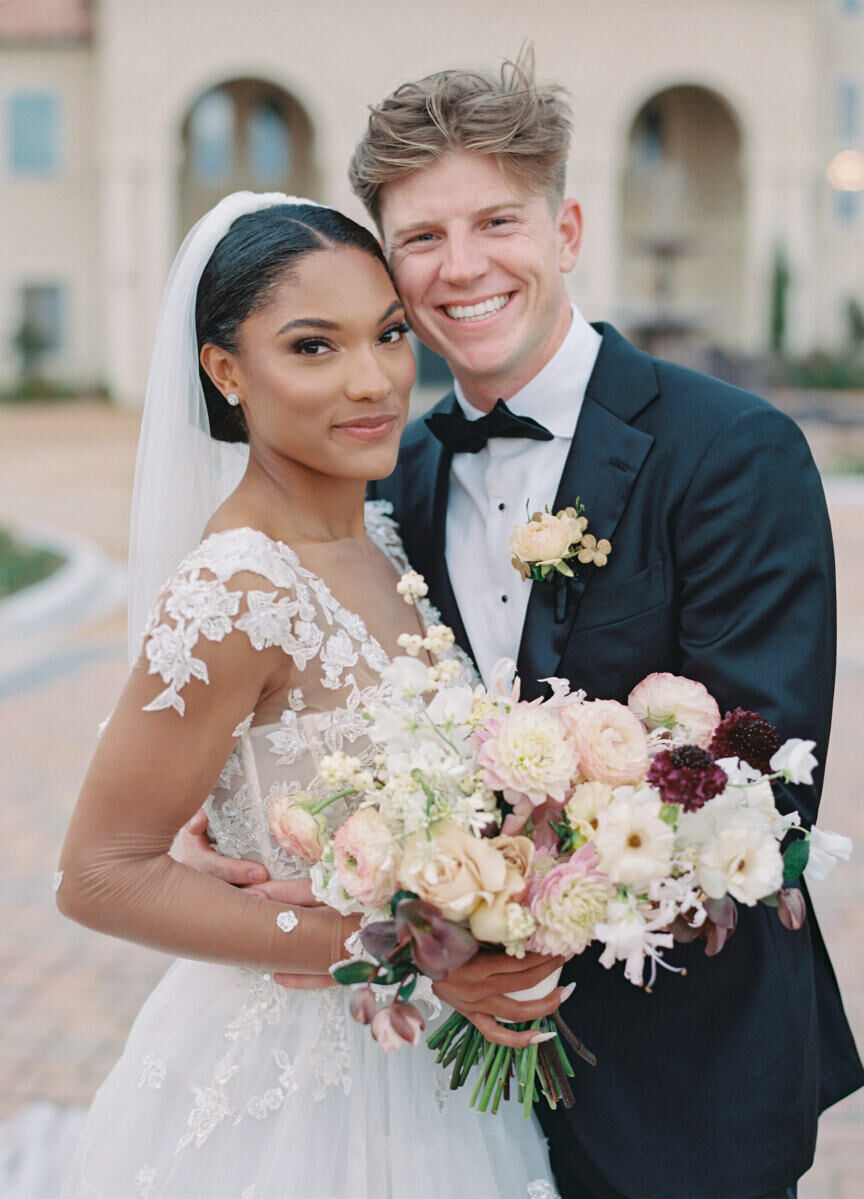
pixel 682 705
pixel 568 903
pixel 527 754
pixel 366 857
pixel 296 829
pixel 609 740
pixel 397 1025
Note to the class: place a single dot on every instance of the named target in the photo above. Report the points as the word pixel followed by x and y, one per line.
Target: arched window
pixel 212 134
pixel 268 144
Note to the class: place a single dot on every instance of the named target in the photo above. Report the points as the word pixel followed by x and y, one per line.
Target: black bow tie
pixel 463 436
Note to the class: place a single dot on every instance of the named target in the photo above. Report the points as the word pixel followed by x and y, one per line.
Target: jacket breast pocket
pixel 609 600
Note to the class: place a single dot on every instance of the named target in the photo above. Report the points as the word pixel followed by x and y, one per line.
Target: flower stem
pixel 319 807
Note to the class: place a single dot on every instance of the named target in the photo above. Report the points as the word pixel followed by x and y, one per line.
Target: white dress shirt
pixel 500 486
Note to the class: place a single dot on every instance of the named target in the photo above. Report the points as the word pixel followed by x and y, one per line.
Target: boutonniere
pixel 546 543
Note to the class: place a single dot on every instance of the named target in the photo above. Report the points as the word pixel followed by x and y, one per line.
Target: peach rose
pixel 609 740
pixel 452 869
pixel 672 702
pixel 488 921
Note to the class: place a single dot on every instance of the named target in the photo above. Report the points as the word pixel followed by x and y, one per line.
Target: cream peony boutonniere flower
pixel 544 545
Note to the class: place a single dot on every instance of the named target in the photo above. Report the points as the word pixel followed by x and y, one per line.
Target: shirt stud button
pixel 503 599
pixel 501 506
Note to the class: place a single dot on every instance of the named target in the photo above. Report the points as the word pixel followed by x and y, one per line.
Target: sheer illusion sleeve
pixel 217 643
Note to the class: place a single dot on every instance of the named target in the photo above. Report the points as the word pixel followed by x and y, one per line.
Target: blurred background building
pixel 718 154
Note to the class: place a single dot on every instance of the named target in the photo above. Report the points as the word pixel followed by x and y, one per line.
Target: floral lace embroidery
pixel 289 741
pixel 212 1105
pixel 265 1003
pixel 330 1062
pixel 145 1180
pixel 541 1188
pixel 260 1106
pixel 152 1073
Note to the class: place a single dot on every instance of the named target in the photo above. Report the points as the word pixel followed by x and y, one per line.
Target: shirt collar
pixel 554 396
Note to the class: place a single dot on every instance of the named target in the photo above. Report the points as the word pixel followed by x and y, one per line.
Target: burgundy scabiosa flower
pixel 687 775
pixel 748 736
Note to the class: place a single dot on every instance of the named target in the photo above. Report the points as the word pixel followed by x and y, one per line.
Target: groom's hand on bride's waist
pixel 479 991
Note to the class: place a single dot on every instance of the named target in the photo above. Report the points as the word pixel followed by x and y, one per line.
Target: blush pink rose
pixel 609 740
pixel 296 829
pixel 672 702
pixel 366 857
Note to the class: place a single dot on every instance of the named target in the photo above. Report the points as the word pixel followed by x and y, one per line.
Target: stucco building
pixel 713 139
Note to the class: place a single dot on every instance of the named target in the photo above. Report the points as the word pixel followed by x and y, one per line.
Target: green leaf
pixel 794 860
pixel 669 813
pixel 398 897
pixel 354 972
pixel 407 988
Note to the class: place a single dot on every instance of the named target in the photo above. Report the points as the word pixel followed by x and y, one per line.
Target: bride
pixel 280 328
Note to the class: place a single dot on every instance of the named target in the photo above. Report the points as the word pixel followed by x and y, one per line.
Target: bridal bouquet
pixel 546 826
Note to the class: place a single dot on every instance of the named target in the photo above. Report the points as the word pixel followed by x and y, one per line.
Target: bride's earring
pixel 233 399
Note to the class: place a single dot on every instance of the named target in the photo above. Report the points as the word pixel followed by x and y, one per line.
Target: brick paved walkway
pixel 67 997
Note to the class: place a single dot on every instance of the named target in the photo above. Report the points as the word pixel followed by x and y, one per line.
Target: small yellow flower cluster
pixel 412 586
pixel 340 770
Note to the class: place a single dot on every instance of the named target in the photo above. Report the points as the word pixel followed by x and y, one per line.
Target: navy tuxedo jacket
pixel 722 570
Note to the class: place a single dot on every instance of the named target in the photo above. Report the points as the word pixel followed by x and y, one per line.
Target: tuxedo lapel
pixel 605 458
pixel 429 460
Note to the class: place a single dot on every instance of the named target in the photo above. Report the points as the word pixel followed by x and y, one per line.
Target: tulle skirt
pixel 231 1087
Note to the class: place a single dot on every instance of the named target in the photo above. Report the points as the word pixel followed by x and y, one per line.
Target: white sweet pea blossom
pixel 795 761
pixel 826 850
pixel 408 677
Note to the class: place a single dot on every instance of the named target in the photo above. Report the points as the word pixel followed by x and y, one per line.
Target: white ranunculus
pixel 826 849
pixel 633 844
pixel 682 705
pixel 742 860
pixel 795 761
pixel 545 540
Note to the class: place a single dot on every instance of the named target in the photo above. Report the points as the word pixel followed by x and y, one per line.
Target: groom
pixel 721 569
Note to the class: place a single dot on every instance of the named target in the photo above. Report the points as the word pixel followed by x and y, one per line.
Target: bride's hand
pixel 479 991
pixel 297 892
pixel 195 850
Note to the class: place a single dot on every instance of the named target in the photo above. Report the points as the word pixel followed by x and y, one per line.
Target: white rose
pixel 742 860
pixel 826 849
pixel 795 761
pixel 544 540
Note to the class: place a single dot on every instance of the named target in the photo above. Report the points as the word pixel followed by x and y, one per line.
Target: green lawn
pixel 21 565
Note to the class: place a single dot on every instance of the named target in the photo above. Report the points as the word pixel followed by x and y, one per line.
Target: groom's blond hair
pixel 526 127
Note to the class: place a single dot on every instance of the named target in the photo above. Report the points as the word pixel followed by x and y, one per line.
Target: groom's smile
pixel 478 260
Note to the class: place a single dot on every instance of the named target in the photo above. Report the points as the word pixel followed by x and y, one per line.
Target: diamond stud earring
pixel 233 399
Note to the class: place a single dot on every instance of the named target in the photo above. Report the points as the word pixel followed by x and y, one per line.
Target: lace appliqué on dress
pixel 541 1188
pixel 212 1105
pixel 331 1057
pixel 152 1073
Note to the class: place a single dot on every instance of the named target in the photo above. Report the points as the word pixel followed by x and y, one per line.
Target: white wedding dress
pixel 230 1086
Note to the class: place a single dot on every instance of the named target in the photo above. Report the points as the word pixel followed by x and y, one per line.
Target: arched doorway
pixel 683 224
pixel 244 133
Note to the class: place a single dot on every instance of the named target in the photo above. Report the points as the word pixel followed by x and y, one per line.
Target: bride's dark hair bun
pixel 249 261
